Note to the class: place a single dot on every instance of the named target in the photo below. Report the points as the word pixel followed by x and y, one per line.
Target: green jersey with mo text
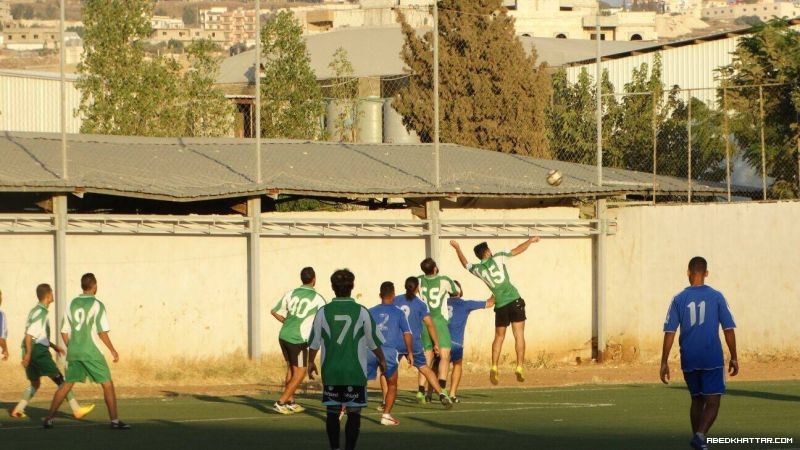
pixel 494 273
pixel 84 319
pixel 298 307
pixel 344 332
pixel 37 327
pixel 435 290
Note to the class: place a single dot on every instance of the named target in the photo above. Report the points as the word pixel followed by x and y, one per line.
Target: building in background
pixel 5 13
pixel 186 35
pixel 166 22
pixel 764 10
pixel 30 101
pixel 236 26
pixel 577 19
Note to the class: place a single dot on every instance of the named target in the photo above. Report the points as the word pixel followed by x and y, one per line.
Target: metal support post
pixel 60 259
pixel 599 303
pixel 434 223
pixel 254 279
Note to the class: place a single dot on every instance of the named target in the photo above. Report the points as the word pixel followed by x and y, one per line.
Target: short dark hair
pixel 460 289
pixel 480 249
pixel 307 275
pixel 412 283
pixel 428 266
pixel 387 289
pixel 698 264
pixel 42 290
pixel 88 281
pixel 342 282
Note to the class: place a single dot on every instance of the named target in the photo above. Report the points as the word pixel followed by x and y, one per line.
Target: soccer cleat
pixel 282 408
pixel 48 423
pixel 518 373
pixel 455 399
pixel 17 414
pixel 420 397
pixel 494 375
pixel 446 402
pixel 295 408
pixel 698 444
pixel 83 411
pixel 120 425
pixel 389 421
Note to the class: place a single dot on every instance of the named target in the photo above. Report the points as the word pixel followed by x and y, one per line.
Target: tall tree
pixel 492 94
pixel 343 92
pixel 291 100
pixel 771 55
pixel 208 112
pixel 121 91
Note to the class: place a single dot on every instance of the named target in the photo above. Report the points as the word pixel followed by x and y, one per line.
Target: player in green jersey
pixel 3 332
pixel 509 308
pixel 36 358
pixel 344 332
pixel 85 320
pixel 296 310
pixel 435 289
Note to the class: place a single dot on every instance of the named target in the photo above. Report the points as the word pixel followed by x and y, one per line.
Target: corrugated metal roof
pixel 202 168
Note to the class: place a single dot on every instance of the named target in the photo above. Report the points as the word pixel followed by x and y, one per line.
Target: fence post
pixel 763 147
pixel 599 281
pixel 655 145
pixel 60 220
pixel 727 141
pixel 689 152
pixel 254 279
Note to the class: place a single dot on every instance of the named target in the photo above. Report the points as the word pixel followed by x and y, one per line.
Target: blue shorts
pixel 456 353
pixel 392 363
pixel 705 382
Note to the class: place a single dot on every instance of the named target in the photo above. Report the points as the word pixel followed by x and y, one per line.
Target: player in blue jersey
pixel 392 324
pixel 418 314
pixel 699 311
pixel 460 310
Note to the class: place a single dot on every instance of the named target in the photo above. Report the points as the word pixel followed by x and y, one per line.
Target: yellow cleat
pixel 494 375
pixel 83 411
pixel 518 373
pixel 17 414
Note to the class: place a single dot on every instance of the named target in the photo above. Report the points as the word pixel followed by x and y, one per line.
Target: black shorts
pixel 296 355
pixel 510 313
pixel 349 396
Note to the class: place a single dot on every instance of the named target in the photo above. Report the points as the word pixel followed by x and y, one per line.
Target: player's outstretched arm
pixel 524 246
pixel 460 254
pixel 730 339
pixel 669 339
pixel 107 341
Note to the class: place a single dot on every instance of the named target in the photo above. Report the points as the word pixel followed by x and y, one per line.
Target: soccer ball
pixel 554 177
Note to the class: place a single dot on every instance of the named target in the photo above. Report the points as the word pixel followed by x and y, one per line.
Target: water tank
pixel 394 132
pixel 370 120
pixel 332 111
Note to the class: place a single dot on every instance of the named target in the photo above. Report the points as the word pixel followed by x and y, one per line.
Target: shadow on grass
pixel 764 395
pixel 245 400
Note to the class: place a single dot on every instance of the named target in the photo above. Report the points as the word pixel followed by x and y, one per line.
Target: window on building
pixel 561 36
pixel 36 36
pixel 602 36
pixel 636 37
pixel 565 8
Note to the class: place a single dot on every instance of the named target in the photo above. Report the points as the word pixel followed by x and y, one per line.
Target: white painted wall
pixel 752 251
pixel 30 101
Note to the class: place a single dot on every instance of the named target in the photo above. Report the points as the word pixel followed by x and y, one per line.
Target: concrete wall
pixel 752 251
pixel 172 296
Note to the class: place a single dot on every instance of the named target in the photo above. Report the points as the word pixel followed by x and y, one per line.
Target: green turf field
pixel 583 417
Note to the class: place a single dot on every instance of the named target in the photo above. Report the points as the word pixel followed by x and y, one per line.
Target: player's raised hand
pixel 665 373
pixel 533 239
pixel 733 368
pixel 454 244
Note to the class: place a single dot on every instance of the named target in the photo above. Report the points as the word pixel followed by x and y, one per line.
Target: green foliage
pixel 124 92
pixel 208 112
pixel 291 100
pixel 343 92
pixel 769 56
pixel 21 11
pixel 492 95
pixel 79 30
pixel 189 15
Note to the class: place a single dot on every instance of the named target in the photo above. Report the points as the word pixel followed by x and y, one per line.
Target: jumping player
pixel 418 314
pixel 509 308
pixel 296 311
pixel 3 332
pixel 434 289
pixel 393 326
pixel 344 332
pixel 460 310
pixel 36 358
pixel 699 311
pixel 86 318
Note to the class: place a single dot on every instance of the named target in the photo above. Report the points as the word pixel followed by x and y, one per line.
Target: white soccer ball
pixel 554 177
